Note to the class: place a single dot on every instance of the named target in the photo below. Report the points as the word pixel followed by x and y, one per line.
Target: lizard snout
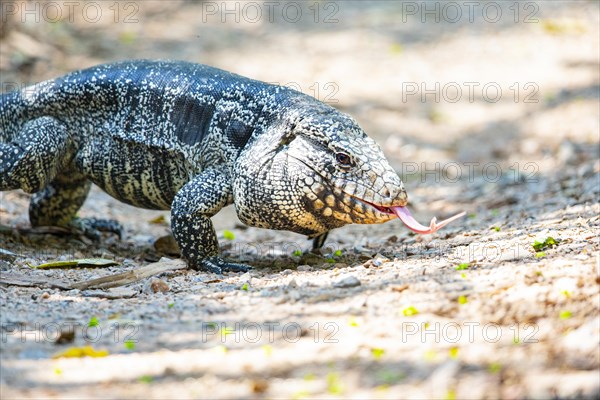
pixel 395 195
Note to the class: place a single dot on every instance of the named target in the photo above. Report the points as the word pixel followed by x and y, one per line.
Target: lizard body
pixel 193 139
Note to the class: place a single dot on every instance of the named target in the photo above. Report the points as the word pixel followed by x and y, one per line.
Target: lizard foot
pixel 91 227
pixel 218 265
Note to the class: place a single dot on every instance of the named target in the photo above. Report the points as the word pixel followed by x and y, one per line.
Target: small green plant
pixel 453 352
pixel 228 235
pixel 93 322
pixel 310 377
pixel 395 48
pixel 462 299
pixel 268 350
pixel 430 355
pixel 410 311
pixel 389 376
pixel 145 379
pixel 333 383
pixel 377 353
pixel 302 394
pixel 129 344
pixel 244 287
pixel 224 331
pixel 548 242
pixel 494 367
pixel 463 266
pixel 565 314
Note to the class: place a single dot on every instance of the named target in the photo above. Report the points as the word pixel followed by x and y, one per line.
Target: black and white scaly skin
pixel 193 139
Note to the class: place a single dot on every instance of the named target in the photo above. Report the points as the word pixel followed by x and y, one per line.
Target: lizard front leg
pixel 319 241
pixel 194 204
pixel 32 159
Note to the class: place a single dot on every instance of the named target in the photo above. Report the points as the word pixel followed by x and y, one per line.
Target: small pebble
pixel 167 245
pixel 295 295
pixel 347 282
pixel 155 285
pixel 293 284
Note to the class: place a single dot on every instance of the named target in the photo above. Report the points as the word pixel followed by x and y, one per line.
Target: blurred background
pixel 515 82
pixel 492 107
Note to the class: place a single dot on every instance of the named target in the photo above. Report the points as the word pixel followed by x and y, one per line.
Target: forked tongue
pixel 413 225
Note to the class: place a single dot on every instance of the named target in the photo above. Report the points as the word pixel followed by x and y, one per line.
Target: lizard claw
pixel 217 265
pixel 91 227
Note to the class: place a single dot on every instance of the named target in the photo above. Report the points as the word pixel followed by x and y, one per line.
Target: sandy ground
pixel 492 112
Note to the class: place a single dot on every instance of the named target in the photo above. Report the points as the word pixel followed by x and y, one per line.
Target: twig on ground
pixel 163 265
pixel 115 280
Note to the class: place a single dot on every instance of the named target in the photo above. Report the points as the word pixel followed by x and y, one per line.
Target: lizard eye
pixel 343 159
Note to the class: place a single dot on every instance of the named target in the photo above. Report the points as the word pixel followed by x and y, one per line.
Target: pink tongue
pixel 413 225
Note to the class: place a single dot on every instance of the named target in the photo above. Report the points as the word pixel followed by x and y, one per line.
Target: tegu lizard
pixel 194 139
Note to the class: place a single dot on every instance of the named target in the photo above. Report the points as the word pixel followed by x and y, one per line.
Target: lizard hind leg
pixel 59 202
pixel 34 156
pixel 36 159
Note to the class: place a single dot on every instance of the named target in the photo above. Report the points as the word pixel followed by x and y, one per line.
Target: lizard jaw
pixel 381 209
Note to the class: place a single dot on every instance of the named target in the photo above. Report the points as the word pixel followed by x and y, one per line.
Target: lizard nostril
pixel 386 192
pixel 403 197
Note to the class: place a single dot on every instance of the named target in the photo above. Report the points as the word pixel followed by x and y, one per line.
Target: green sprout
pixel 453 352
pixel 463 266
pixel 410 311
pixel 333 383
pixel 377 353
pixel 494 367
pixel 93 322
pixel 145 379
pixel 548 242
pixel 565 314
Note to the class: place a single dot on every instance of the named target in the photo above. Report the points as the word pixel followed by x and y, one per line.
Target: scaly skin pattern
pixel 192 139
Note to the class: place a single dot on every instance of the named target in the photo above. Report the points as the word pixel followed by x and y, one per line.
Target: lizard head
pixel 342 172
pixel 316 170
